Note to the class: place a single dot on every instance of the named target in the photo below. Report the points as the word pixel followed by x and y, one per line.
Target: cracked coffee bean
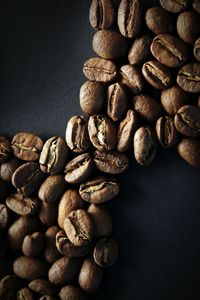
pixel 140 50
pixel 189 150
pixel 70 292
pixel 33 245
pixel 175 6
pixel 159 20
pixel 23 205
pixel 106 252
pixel 102 14
pixel 132 78
pixel 5 149
pixel 166 131
pixel 188 77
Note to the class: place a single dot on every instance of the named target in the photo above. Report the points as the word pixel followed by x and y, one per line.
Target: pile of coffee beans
pixel 142 91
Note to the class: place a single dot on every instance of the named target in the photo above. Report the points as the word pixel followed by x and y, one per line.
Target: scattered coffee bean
pixel 188 77
pixel 174 6
pixel 140 50
pixel 132 78
pixel 33 245
pixel 166 132
pixel 197 49
pixel 102 14
pixel 106 252
pixel 70 292
pixel 25 294
pixel 188 26
pixel 23 205
pixel 51 253
pixel 159 20
pixel 5 148
pixel 189 150
pixel 101 219
pixel 42 286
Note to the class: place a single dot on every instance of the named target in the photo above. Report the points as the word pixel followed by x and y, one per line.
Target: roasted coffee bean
pixel 8 168
pixel 52 188
pixel 42 286
pixel 5 216
pixel 157 75
pixel 6 268
pixel 130 18
pixel 70 292
pixel 9 285
pixel 66 248
pixel 48 213
pixel 100 70
pixel 64 270
pixel 166 131
pixel 27 146
pixel 188 77
pixel 197 49
pixel 117 101
pixel 102 14
pixel 77 137
pixel 25 294
pixel 78 226
pixel 159 20
pixel 79 168
pixel 30 268
pixel 188 26
pixel 175 6
pixel 102 220
pixel 51 253
pixel 140 51
pixel 126 131
pixel 5 149
pixel 33 245
pixel 23 205
pixel 3 190
pixel 99 190
pixel 106 252
pixel 90 276
pixel 196 5
pixel 54 155
pixel 187 120
pixel 27 178
pixel 132 78
pixel 189 150
pixel 19 229
pixel 144 145
pixel 102 132
pixel 112 162
pixel 71 200
pixel 169 50
pixel 173 98
pixel 92 97
pixel 147 108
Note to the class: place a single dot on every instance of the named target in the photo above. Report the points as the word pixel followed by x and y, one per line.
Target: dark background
pixel 156 217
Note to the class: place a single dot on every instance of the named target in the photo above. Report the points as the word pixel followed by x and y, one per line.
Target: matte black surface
pixel 156 218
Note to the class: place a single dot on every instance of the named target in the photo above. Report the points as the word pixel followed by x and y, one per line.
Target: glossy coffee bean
pixel 42 286
pixel 106 252
pixel 188 26
pixel 166 131
pixel 5 216
pixel 102 14
pixel 159 20
pixel 71 292
pixel 140 50
pixel 174 6
pixel 33 245
pixel 8 167
pixel 188 78
pixel 5 149
pixel 48 213
pixel 189 150
pixel 196 50
pixel 101 219
pixel 23 205
pixel 196 5
pixel 24 294
pixel 51 253
pixel 9 285
pixel 132 78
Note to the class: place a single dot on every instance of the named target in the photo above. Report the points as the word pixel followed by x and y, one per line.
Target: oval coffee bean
pixel 102 220
pixel 23 205
pixel 100 70
pixel 42 286
pixel 102 14
pixel 157 75
pixel 79 227
pixel 197 49
pixel 174 6
pixel 117 101
pixel 27 146
pixel 5 149
pixel 51 253
pixel 196 5
pixel 144 145
pixel 132 78
pixel 5 216
pixel 79 168
pixel 140 50
pixel 169 50
pixel 24 294
pixel 33 245
pixel 189 150
pixel 48 213
pixel 187 120
pixel 70 292
pixel 159 20
pixel 188 77
pixel 8 167
pixel 166 131
pixel 99 190
pixel 9 286
pixel 188 26
pixel 106 252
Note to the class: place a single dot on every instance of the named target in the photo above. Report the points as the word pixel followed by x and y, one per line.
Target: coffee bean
pixel 42 286
pixel 92 97
pixel 48 213
pixel 79 227
pixel 102 14
pixel 140 51
pixel 157 75
pixel 187 120
pixel 132 78
pixel 5 149
pixel 188 26
pixel 33 245
pixel 158 20
pixel 197 49
pixel 130 18
pixel 102 132
pixel 99 190
pixel 100 70
pixel 27 146
pixel 147 108
pixel 5 216
pixel 126 131
pixel 23 205
pixel 174 6
pixel 196 5
pixel 101 219
pixel 106 252
pixel 188 77
pixel 90 276
pixel 70 292
pixel 77 137
pixel 51 253
pixel 9 286
pixel 117 101
pixel 24 294
pixel 8 168
pixel 144 145
pixel 189 150
pixel 169 50
pixel 166 131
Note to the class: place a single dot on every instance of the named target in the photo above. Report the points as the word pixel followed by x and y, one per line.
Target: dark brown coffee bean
pixel 33 245
pixel 30 268
pixel 196 5
pixel 147 108
pixel 54 155
pixel 8 168
pixel 77 137
pixel 144 145
pixel 102 132
pixel 197 49
pixel 90 276
pixel 158 20
pixel 79 227
pixel 169 50
pixel 102 220
pixel 140 51
pixel 174 6
pixel 188 26
pixel 52 188
pixel 5 216
pixel 130 18
pixel 99 190
pixel 132 78
pixel 27 178
pixel 3 190
pixel 5 149
pixel 48 213
pixel 9 285
pixel 157 75
pixel 188 77
pixel 187 120
pixel 71 200
pixel 70 292
pixel 23 205
pixel 126 131
pixel 117 101
pixel 173 98
pixel 27 146
pixel 42 286
pixel 51 253
pixel 100 70
pixel 166 132
pixel 92 97
pixel 106 252
pixel 24 294
pixel 64 270
pixel 102 14
pixel 189 150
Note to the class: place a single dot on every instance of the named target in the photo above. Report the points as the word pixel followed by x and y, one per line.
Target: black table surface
pixel 156 217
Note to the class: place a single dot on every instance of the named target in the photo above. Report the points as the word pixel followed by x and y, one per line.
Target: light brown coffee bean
pixel 42 286
pixel 33 245
pixel 140 50
pixel 23 205
pixel 175 6
pixel 188 26
pixel 102 14
pixel 159 20
pixel 5 149
pixel 132 78
pixel 102 220
pixel 189 150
